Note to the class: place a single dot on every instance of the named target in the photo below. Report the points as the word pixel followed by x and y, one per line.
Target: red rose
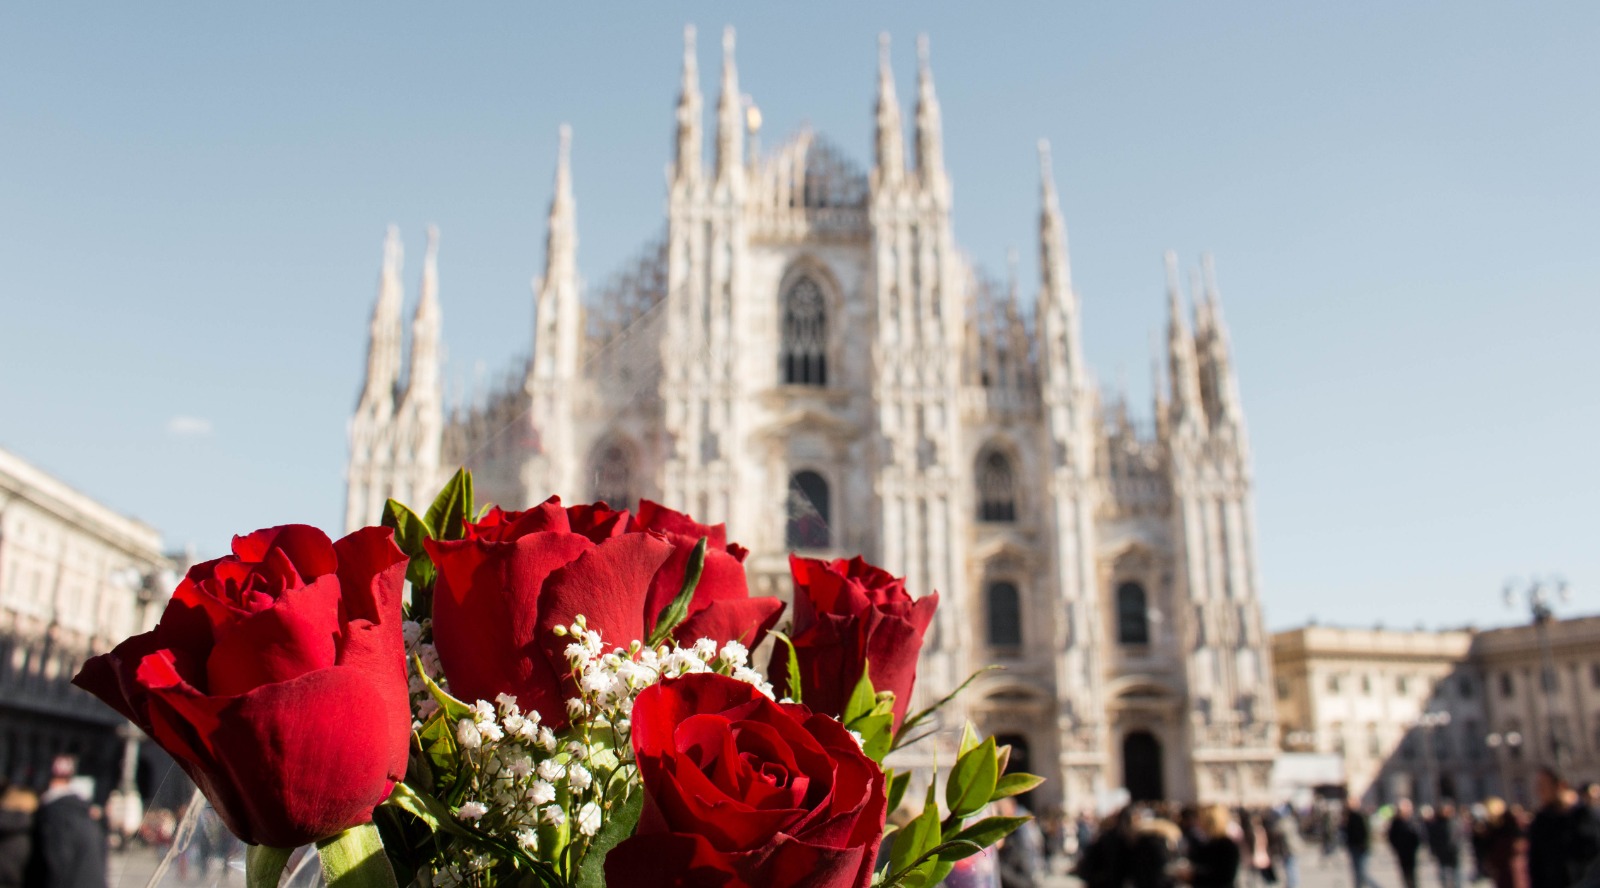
pixel 847 613
pixel 277 679
pixel 743 792
pixel 501 592
pixel 722 608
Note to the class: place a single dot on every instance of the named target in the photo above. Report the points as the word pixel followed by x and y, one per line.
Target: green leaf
pixel 986 832
pixel 877 732
pixel 675 612
pixel 969 739
pixel 862 698
pixel 897 783
pixel 355 859
pixel 619 825
pixel 409 532
pixel 429 810
pixel 1014 784
pixel 792 662
pixel 914 840
pixel 972 780
pixel 1002 759
pixel 263 865
pixel 919 717
pixel 448 515
pixel 453 709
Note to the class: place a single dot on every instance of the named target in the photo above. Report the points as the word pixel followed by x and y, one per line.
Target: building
pixel 76 578
pixel 1449 714
pixel 807 355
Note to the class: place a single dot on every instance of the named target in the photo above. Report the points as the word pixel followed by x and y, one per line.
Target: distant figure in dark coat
pixel 1556 856
pixel 1358 841
pixel 1444 843
pixel 1214 862
pixel 16 833
pixel 1405 838
pixel 69 847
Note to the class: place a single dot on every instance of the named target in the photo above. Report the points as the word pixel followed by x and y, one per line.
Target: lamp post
pixel 1541 595
pixel 1428 721
pixel 1502 744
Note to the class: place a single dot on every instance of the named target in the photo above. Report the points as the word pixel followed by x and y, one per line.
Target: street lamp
pixel 1509 741
pixel 1428 721
pixel 1541 595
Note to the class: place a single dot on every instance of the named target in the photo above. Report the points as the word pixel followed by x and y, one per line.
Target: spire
pixel 730 115
pixel 689 111
pixel 1217 357
pixel 1054 267
pixel 890 137
pixel 1185 379
pixel 556 312
pixel 930 135
pixel 385 334
pixel 424 382
pixel 561 244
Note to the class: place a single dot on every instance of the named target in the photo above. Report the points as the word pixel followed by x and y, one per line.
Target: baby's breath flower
pixel 551 770
pixel 734 652
pixel 589 819
pixel 529 839
pixel 553 815
pixel 467 734
pixel 579 777
pixel 541 793
pixel 472 810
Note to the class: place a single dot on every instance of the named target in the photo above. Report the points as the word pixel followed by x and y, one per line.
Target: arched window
pixel 803 352
pixel 1004 608
pixel 1133 622
pixel 611 475
pixel 809 512
pixel 997 489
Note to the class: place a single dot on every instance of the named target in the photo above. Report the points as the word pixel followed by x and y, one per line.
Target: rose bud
pixel 848 614
pixel 276 678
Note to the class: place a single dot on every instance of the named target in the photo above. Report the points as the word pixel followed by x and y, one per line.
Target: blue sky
pixel 1401 199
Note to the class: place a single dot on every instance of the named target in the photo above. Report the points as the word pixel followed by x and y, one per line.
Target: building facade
pixel 1457 714
pixel 75 579
pixel 807 355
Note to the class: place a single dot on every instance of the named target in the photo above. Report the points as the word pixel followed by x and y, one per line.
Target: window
pixel 611 475
pixel 1133 622
pixel 1471 740
pixel 997 497
pixel 1005 615
pixel 1333 684
pixel 1366 684
pixel 1401 685
pixel 1283 689
pixel 1594 674
pixel 1506 688
pixel 809 512
pixel 1465 687
pixel 803 353
pixel 1374 743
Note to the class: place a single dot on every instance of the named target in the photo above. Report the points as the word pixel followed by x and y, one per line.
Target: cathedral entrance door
pixel 1141 766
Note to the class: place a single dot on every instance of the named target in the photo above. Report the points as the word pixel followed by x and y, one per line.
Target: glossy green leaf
pixel 792 664
pixel 410 530
pixel 678 610
pixel 619 824
pixel 452 508
pixel 862 698
pixel 972 780
pixel 1014 784
pixel 897 782
pixel 986 832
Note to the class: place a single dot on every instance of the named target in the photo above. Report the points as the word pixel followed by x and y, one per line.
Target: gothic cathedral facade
pixel 807 355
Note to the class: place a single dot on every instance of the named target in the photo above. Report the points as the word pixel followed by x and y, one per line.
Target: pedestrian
pixel 1283 844
pixel 16 833
pixel 1328 831
pixel 1555 852
pixel 69 847
pixel 1104 864
pixel 1214 860
pixel 1022 852
pixel 1444 843
pixel 1152 849
pixel 1505 846
pixel 1405 839
pixel 1358 843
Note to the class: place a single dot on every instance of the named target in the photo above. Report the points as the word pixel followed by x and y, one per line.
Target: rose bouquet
pixel 572 696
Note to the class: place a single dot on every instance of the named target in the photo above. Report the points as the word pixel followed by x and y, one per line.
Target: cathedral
pixel 807 355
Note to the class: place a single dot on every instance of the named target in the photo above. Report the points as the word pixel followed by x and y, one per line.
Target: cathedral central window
pixel 803 352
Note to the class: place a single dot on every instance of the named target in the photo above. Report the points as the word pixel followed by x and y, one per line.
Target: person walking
pixel 1505 846
pixel 1283 844
pixel 69 847
pixel 1444 843
pixel 16 833
pixel 1152 848
pixel 1405 838
pixel 1104 864
pixel 1358 843
pixel 1555 852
